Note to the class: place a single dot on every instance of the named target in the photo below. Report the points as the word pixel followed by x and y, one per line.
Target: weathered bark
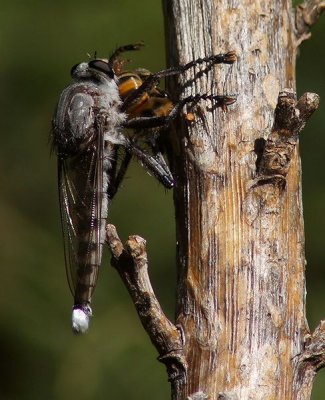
pixel 240 233
pixel 241 330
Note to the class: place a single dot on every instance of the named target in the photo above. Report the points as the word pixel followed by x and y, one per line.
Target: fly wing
pixel 81 192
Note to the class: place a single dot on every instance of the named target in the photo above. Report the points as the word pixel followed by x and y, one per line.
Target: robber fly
pixel 87 136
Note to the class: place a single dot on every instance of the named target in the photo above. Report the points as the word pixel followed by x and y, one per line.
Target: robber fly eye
pixel 102 66
pixel 73 69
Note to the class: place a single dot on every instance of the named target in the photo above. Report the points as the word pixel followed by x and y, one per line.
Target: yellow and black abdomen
pixel 154 103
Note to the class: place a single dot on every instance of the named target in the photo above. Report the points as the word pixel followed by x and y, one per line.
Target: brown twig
pixel 307 14
pixel 132 265
pixel 289 120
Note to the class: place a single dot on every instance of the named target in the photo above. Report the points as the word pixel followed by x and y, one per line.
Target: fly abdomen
pixel 89 259
pixel 85 248
pixel 85 284
pixel 91 233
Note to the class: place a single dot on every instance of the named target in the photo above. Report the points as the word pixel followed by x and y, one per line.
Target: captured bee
pixel 156 102
pixel 88 136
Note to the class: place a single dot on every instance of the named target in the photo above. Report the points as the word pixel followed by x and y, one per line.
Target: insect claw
pixel 228 100
pixel 138 45
pixel 189 117
pixel 230 57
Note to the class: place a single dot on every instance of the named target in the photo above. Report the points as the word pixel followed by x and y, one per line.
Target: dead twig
pixel 132 265
pixel 306 15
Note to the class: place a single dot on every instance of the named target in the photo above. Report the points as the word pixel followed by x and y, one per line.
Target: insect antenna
pixel 90 57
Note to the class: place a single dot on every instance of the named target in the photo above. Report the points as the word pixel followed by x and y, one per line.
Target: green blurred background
pixel 39 356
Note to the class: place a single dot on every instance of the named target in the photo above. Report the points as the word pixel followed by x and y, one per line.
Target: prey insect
pixel 88 136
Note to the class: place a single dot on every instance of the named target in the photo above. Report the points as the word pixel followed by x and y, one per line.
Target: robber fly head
pixel 97 69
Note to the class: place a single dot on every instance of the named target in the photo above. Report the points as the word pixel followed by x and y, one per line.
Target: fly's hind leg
pixel 164 121
pixel 154 163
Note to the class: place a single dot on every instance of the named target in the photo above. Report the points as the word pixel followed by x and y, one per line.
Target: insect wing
pixel 80 192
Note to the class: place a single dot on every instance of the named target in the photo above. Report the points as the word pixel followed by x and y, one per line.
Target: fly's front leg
pixel 154 79
pixel 114 61
pixel 155 163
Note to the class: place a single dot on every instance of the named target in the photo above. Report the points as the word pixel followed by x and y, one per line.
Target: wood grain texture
pixel 241 261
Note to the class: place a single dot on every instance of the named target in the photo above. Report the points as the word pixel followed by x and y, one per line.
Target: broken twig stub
pixel 290 117
pixel 132 265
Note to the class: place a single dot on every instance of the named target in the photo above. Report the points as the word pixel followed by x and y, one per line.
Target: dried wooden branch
pixel 132 265
pixel 307 14
pixel 241 261
pixel 289 120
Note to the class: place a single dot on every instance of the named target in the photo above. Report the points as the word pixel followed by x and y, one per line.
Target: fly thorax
pixel 110 103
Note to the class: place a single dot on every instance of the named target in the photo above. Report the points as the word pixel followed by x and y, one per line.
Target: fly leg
pixel 119 175
pixel 154 79
pixel 155 163
pixel 123 49
pixel 114 61
pixel 164 121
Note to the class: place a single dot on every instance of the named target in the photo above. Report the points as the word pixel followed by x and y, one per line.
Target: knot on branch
pixel 227 396
pixel 136 247
pixel 307 14
pixel 175 364
pixel 198 396
pixel 290 118
pixel 314 352
pixel 131 262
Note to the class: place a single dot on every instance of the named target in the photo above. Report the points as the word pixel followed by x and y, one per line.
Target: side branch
pixel 307 14
pixel 289 120
pixel 132 265
pixel 314 353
